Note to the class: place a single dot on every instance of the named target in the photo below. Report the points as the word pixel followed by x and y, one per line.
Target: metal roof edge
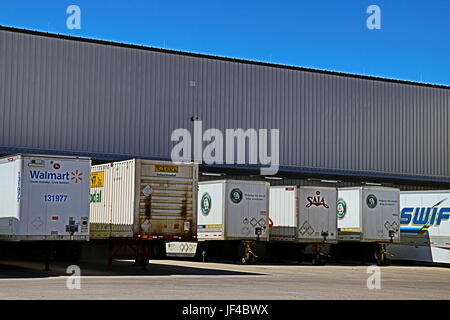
pixel 220 58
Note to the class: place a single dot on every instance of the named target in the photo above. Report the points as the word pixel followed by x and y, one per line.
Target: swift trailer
pixel 303 215
pixel 146 206
pixel 369 215
pixel 424 227
pixel 232 217
pixel 45 199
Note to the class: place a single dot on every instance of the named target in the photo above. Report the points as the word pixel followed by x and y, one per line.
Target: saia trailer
pixel 303 215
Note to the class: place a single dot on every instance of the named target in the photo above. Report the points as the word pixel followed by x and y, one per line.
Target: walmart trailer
pixel 44 206
pixel 44 198
pixel 424 227
pixel 234 212
pixel 146 205
pixel 369 214
pixel 304 215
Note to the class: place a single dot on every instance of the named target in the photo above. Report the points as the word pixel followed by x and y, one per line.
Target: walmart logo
pixel 45 175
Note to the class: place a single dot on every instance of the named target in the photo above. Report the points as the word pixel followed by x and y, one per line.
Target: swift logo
pixel 420 216
pixel 317 201
pixel 76 176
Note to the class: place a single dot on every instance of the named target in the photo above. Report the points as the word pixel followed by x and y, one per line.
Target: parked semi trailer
pixel 44 204
pixel 303 215
pixel 369 215
pixel 143 208
pixel 232 217
pixel 424 227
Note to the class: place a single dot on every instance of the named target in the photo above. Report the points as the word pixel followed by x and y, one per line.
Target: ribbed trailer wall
pixel 73 96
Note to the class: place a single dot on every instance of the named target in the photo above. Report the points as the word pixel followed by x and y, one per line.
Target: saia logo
pixel 316 201
pixel 371 201
pixel 236 195
pixel 206 203
pixel 341 208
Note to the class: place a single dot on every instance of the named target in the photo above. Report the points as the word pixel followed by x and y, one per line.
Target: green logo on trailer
pixel 371 201
pixel 96 197
pixel 206 203
pixel 341 208
pixel 236 195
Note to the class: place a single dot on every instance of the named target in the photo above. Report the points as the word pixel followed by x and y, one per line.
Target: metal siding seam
pixel 12 93
pixel 58 96
pixel 420 121
pixel 409 132
pixel 445 105
pixel 322 127
pixel 350 141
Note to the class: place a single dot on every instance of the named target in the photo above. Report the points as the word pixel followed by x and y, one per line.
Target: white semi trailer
pixel 424 227
pixel 233 212
pixel 144 205
pixel 44 199
pixel 304 215
pixel 369 215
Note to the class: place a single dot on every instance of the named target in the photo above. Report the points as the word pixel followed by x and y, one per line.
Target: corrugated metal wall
pixel 74 96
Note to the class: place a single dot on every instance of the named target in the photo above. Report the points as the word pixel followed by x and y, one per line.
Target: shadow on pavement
pixel 27 269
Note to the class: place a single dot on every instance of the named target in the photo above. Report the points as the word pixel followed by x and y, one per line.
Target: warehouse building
pixel 113 101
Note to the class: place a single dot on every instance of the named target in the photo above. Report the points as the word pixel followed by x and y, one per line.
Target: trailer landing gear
pixel 249 257
pixel 47 263
pixel 319 258
pixel 48 257
pixel 381 255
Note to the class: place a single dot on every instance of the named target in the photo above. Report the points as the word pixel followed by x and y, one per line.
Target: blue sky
pixel 412 44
